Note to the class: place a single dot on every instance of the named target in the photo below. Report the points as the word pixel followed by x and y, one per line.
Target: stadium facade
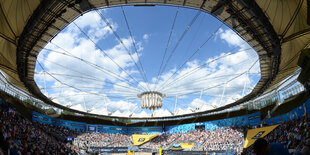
pixel 277 35
pixel 250 19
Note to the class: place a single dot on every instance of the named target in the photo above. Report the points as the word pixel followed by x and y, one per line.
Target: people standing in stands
pixel 261 147
pixel 306 149
pixel 19 135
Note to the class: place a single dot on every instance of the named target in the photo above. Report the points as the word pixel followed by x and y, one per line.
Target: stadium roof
pixel 277 30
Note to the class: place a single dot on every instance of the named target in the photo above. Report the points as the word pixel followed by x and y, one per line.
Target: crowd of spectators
pixel 218 139
pixel 19 135
pixel 87 140
pixel 58 131
pixel 223 138
pixel 293 134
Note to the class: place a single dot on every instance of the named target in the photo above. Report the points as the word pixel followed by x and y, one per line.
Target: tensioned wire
pixel 177 44
pixel 167 45
pixel 87 88
pixel 189 58
pixel 92 88
pixel 211 87
pixel 198 68
pixel 131 37
pixel 135 47
pixel 201 80
pixel 89 76
pixel 105 53
pixel 122 43
pixel 71 85
pixel 102 69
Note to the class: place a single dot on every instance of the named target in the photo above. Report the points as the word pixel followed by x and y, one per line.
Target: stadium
pixel 154 77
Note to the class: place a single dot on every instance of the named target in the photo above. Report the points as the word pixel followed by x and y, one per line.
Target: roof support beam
pixel 288 26
pixel 7 38
pixel 296 35
pixel 203 3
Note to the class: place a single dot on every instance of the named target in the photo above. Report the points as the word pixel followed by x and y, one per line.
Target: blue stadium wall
pixel 251 119
pixel 37 117
pixel 296 113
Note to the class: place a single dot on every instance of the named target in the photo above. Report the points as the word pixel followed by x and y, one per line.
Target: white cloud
pixel 146 37
pixel 201 105
pixel 74 42
pixel 104 81
pixel 208 77
pixel 232 38
pixel 94 72
pixel 96 27
pixel 121 105
pixel 211 78
pixel 197 103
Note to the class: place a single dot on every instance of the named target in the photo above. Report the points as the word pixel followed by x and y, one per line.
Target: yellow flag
pixel 187 145
pixel 254 134
pixel 140 139
pixel 160 151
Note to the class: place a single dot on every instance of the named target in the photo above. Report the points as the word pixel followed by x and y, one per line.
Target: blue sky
pixel 99 73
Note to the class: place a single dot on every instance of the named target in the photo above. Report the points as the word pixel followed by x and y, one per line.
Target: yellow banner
pixel 187 145
pixel 140 139
pixel 254 134
pixel 176 148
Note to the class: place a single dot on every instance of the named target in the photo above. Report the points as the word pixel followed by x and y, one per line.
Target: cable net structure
pixel 114 65
pixel 276 30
